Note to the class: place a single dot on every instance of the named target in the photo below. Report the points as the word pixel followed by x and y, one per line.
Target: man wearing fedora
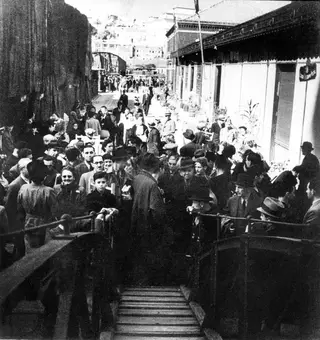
pixel 169 126
pixel 308 169
pixel 150 234
pixel 271 210
pixel 204 229
pixel 154 135
pixel 189 149
pixel 243 204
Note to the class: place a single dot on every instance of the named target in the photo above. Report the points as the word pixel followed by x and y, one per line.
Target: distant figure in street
pixel 146 100
pixel 123 101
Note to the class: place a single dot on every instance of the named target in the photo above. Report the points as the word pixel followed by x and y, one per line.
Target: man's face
pixel 187 173
pixel 97 164
pixel 310 192
pixel 48 164
pixel 103 110
pixel 88 154
pixel 100 184
pixel 109 148
pixel 52 152
pixel 304 151
pixel 172 164
pixel 108 165
pixel 240 191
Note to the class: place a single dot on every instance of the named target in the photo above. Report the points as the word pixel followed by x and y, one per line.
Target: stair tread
pixel 153 299
pixel 152 293
pixel 179 312
pixel 158 330
pixel 156 320
pixel 153 305
pixel 139 337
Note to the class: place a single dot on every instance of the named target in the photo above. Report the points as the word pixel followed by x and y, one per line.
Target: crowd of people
pixel 110 160
pixel 130 83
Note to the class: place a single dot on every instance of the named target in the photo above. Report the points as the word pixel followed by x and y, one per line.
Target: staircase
pixel 156 313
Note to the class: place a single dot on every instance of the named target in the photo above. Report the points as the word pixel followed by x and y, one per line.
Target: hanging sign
pixel 308 72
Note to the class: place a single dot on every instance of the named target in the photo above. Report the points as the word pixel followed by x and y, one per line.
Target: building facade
pixel 262 68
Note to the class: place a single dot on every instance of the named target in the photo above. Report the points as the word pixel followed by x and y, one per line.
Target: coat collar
pixel 147 174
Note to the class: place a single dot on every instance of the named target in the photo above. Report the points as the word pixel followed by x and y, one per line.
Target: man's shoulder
pixel 86 175
pixel 17 182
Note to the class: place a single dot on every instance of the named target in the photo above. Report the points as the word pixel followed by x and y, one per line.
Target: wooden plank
pixel 63 315
pixel 211 334
pixel 12 277
pixel 153 299
pixel 186 292
pixel 198 312
pixel 154 320
pixel 139 337
pixel 153 305
pixel 151 293
pixel 152 289
pixel 158 330
pixel 161 312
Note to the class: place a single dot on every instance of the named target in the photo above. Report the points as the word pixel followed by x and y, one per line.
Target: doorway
pixel 282 111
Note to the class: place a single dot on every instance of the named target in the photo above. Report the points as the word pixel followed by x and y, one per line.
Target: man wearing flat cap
pixel 308 169
pixel 169 126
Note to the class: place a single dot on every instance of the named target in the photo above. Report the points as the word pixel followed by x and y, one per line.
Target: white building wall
pixel 207 90
pixel 267 112
pixel 230 90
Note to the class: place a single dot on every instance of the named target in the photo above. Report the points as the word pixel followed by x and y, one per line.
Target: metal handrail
pixel 48 225
pixel 248 219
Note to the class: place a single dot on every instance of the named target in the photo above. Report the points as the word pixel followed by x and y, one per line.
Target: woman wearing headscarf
pixel 71 197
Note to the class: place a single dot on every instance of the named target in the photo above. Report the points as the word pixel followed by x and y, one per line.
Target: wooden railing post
pixel 67 222
pixel 213 281
pixel 244 254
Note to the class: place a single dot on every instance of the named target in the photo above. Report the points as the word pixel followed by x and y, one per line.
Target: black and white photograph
pixel 159 170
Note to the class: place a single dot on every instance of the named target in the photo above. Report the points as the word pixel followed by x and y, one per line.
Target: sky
pixel 134 9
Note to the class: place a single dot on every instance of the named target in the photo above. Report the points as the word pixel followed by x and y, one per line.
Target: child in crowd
pixel 100 199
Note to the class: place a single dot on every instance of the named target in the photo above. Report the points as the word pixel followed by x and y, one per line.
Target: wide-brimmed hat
pixel 286 179
pixel 272 207
pixel 244 180
pixel 200 193
pixel 198 153
pixel 120 154
pixel 152 124
pixel 307 146
pixel 188 134
pixel 186 163
pixel 170 146
pixel 167 114
pixel 37 170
